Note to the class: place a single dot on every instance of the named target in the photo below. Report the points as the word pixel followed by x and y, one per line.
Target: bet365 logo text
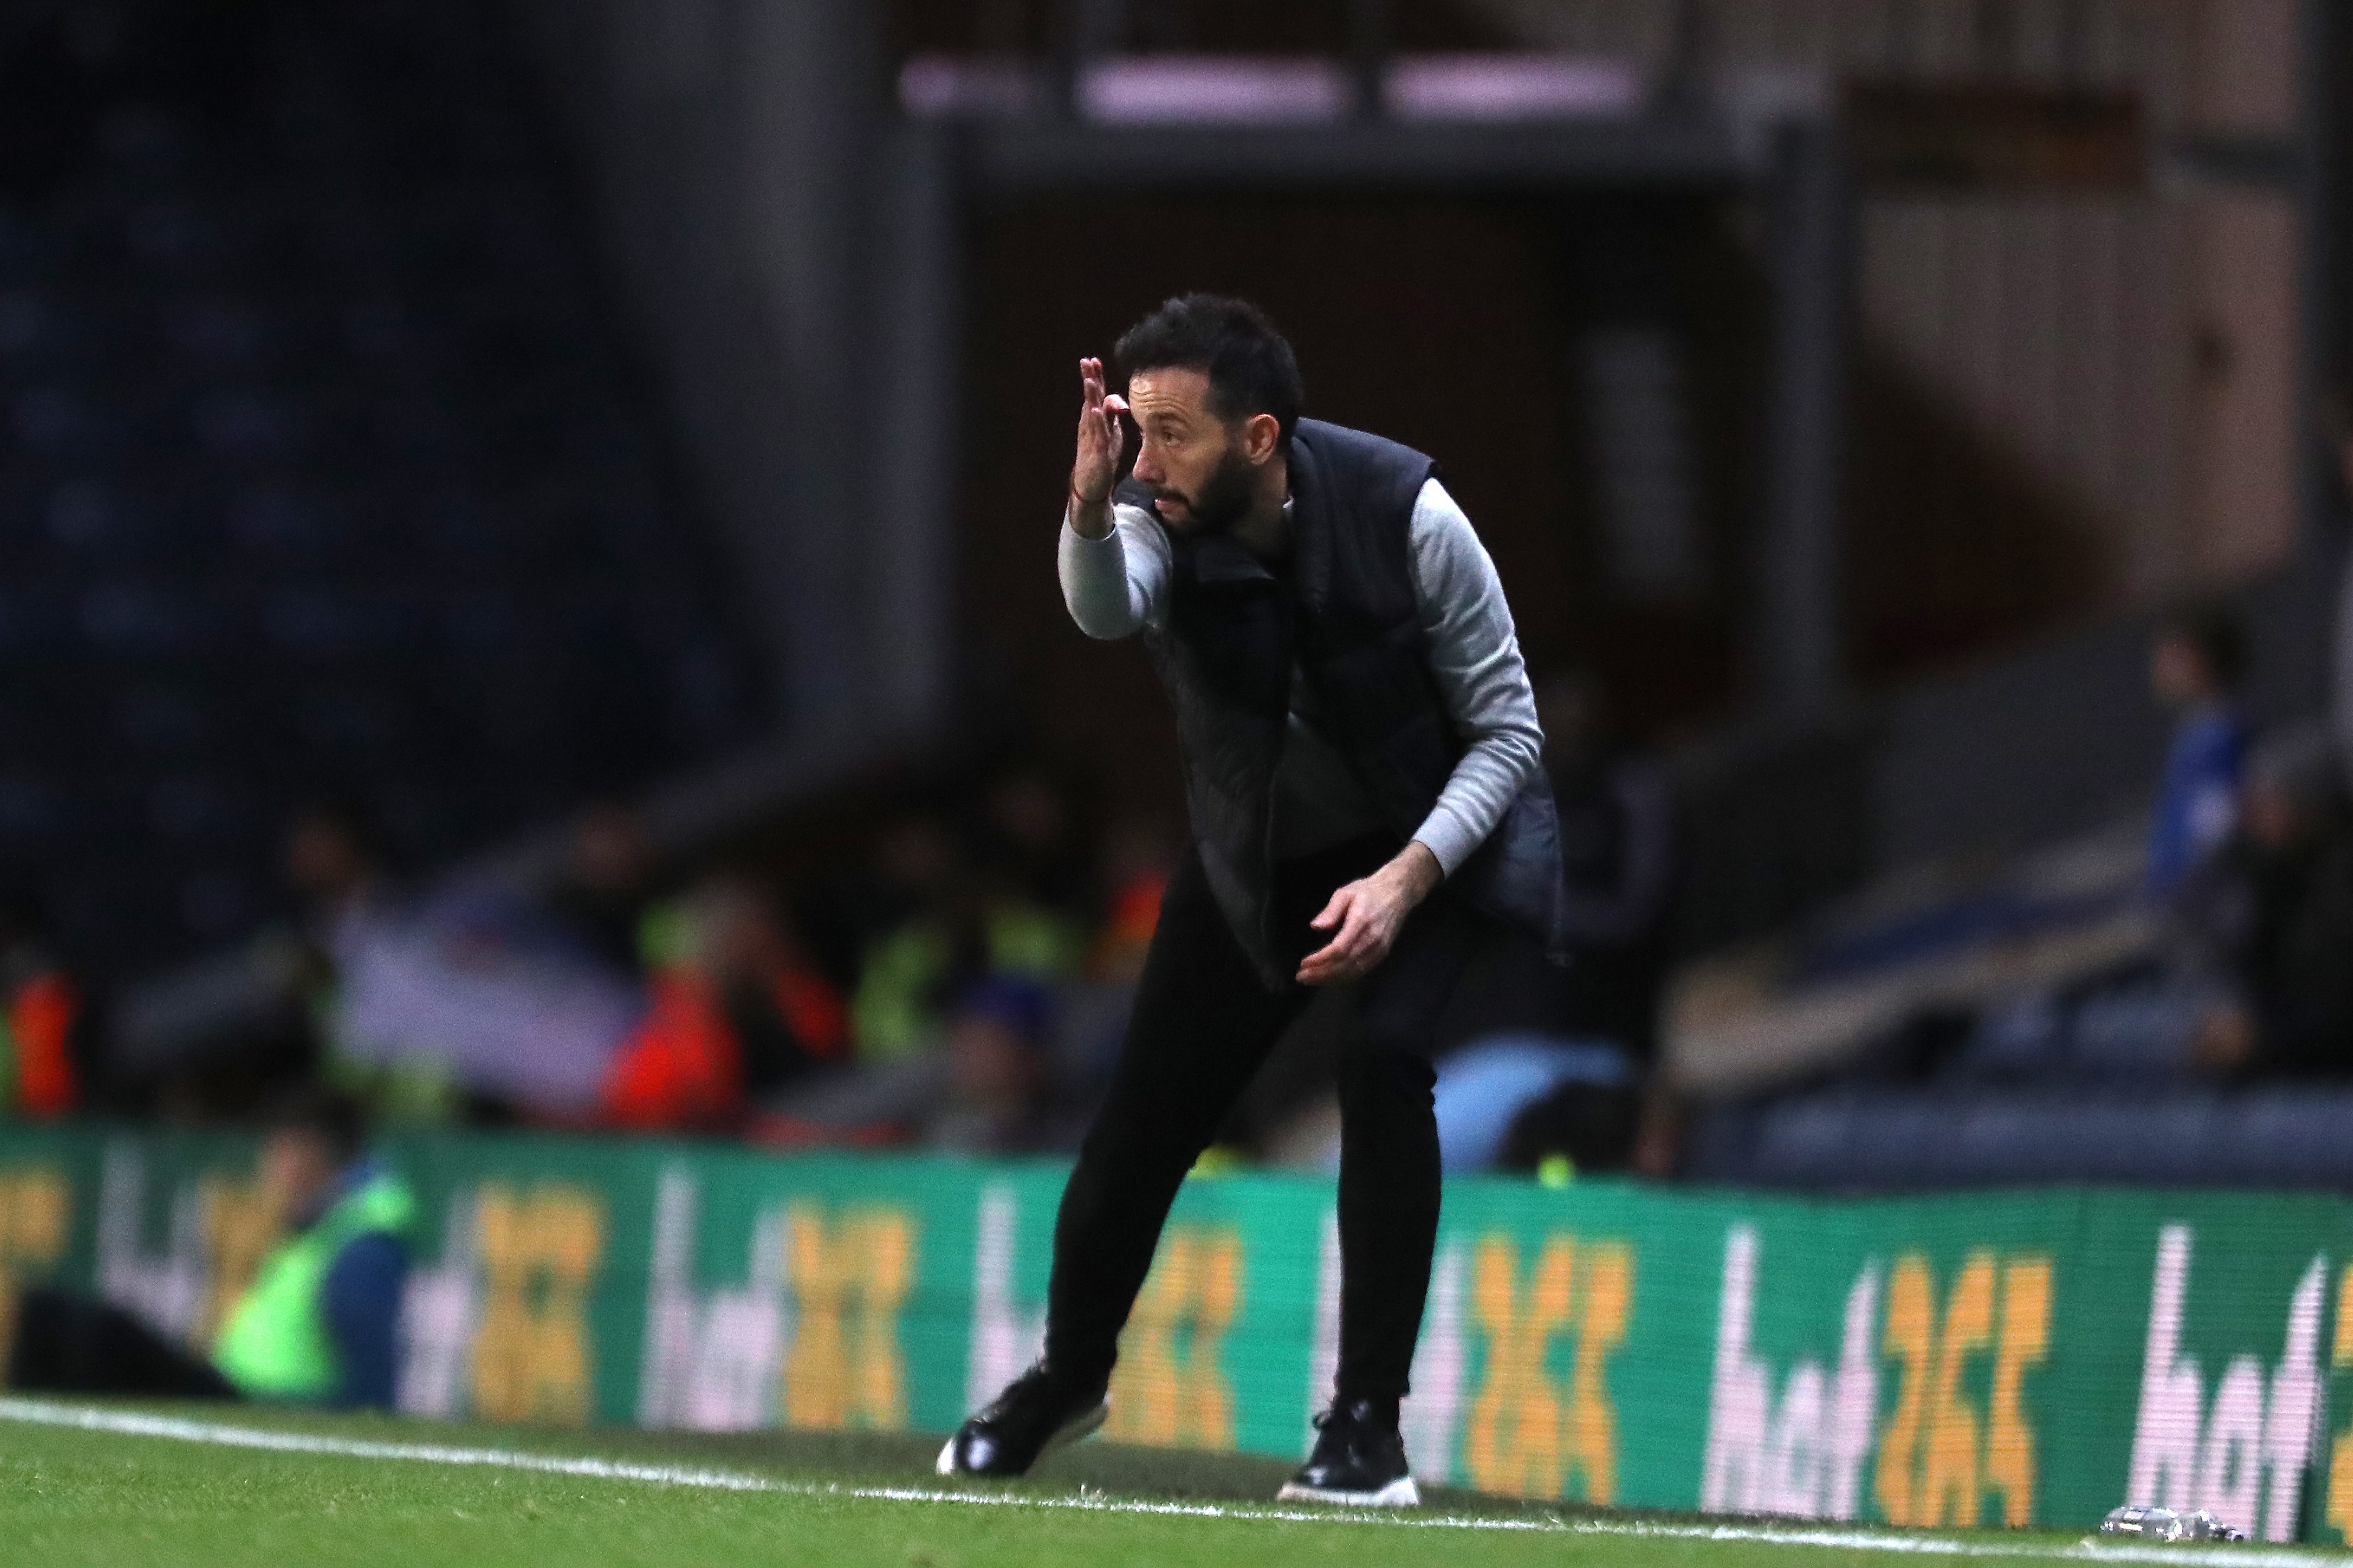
pixel 1170 1388
pixel 2237 1446
pixel 1536 1431
pixel 1938 1457
pixel 532 1352
pixel 807 1337
pixel 850 1273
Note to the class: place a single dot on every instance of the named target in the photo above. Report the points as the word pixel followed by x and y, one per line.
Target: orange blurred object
pixel 681 1067
pixel 1127 928
pixel 813 1010
pixel 40 1021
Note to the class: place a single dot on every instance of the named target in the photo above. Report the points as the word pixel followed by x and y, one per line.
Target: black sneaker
pixel 1359 1459
pixel 1037 1413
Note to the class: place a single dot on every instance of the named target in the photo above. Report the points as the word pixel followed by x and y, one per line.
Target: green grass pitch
pixel 187 1486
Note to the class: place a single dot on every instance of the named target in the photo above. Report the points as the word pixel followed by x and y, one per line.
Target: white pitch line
pixel 126 1423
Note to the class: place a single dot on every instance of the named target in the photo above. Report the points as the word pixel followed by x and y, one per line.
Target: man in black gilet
pixel 1362 768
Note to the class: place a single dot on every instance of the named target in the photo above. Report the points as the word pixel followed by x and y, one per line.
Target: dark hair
pixel 2215 631
pixel 1249 364
pixel 326 1113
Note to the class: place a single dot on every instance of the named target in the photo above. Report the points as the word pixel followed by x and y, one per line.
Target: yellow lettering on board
pixel 241 1223
pixel 532 1357
pixel 1589 1431
pixel 1948 1482
pixel 1909 1336
pixel 1937 1460
pixel 1513 1444
pixel 844 1369
pixel 2339 1512
pixel 2025 1339
pixel 1170 1387
pixel 1523 1438
pixel 35 1212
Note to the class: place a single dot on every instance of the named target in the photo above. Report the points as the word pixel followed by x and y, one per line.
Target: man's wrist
pixel 1416 870
pixel 1090 520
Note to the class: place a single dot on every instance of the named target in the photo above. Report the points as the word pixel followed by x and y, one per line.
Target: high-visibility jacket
pixel 274 1344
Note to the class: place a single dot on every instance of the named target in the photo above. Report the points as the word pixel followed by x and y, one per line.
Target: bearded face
pixel 1195 460
pixel 1216 504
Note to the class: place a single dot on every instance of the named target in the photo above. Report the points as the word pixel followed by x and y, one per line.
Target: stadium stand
pixel 324 478
pixel 2061 1020
pixel 322 471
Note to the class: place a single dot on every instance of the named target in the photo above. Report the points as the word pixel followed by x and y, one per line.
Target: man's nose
pixel 1148 466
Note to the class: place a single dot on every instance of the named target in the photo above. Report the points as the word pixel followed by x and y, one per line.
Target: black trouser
pixel 1203 1023
pixel 71 1345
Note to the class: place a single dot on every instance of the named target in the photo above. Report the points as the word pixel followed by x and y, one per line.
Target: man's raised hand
pixel 1102 442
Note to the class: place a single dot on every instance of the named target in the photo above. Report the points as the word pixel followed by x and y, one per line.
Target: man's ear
pixel 1261 434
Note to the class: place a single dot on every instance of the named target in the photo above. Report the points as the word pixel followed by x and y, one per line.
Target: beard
pixel 1224 497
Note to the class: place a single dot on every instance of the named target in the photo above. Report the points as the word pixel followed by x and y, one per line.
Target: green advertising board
pixel 2021 1357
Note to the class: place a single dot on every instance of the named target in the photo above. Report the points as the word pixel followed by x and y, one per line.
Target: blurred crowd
pixel 952 970
pixel 937 979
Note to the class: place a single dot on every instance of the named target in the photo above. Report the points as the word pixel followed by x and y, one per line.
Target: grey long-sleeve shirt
pixel 1117 585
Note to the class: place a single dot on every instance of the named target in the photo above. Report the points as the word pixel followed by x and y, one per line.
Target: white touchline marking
pixel 126 1423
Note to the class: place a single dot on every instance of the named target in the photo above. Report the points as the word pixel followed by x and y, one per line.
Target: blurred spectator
pixel 43 1029
pixel 331 864
pixel 2195 660
pixel 1573 1126
pixel 350 912
pixel 321 1320
pixel 916 870
pixel 607 882
pixel 787 1015
pixel 1587 1037
pixel 272 1007
pixel 318 1325
pixel 1035 880
pixel 1508 1100
pixel 737 1013
pixel 2250 975
pixel 475 993
pixel 1138 859
pixel 956 925
pixel 1617 853
pixel 1032 841
pixel 2283 920
pixel 1000 1085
